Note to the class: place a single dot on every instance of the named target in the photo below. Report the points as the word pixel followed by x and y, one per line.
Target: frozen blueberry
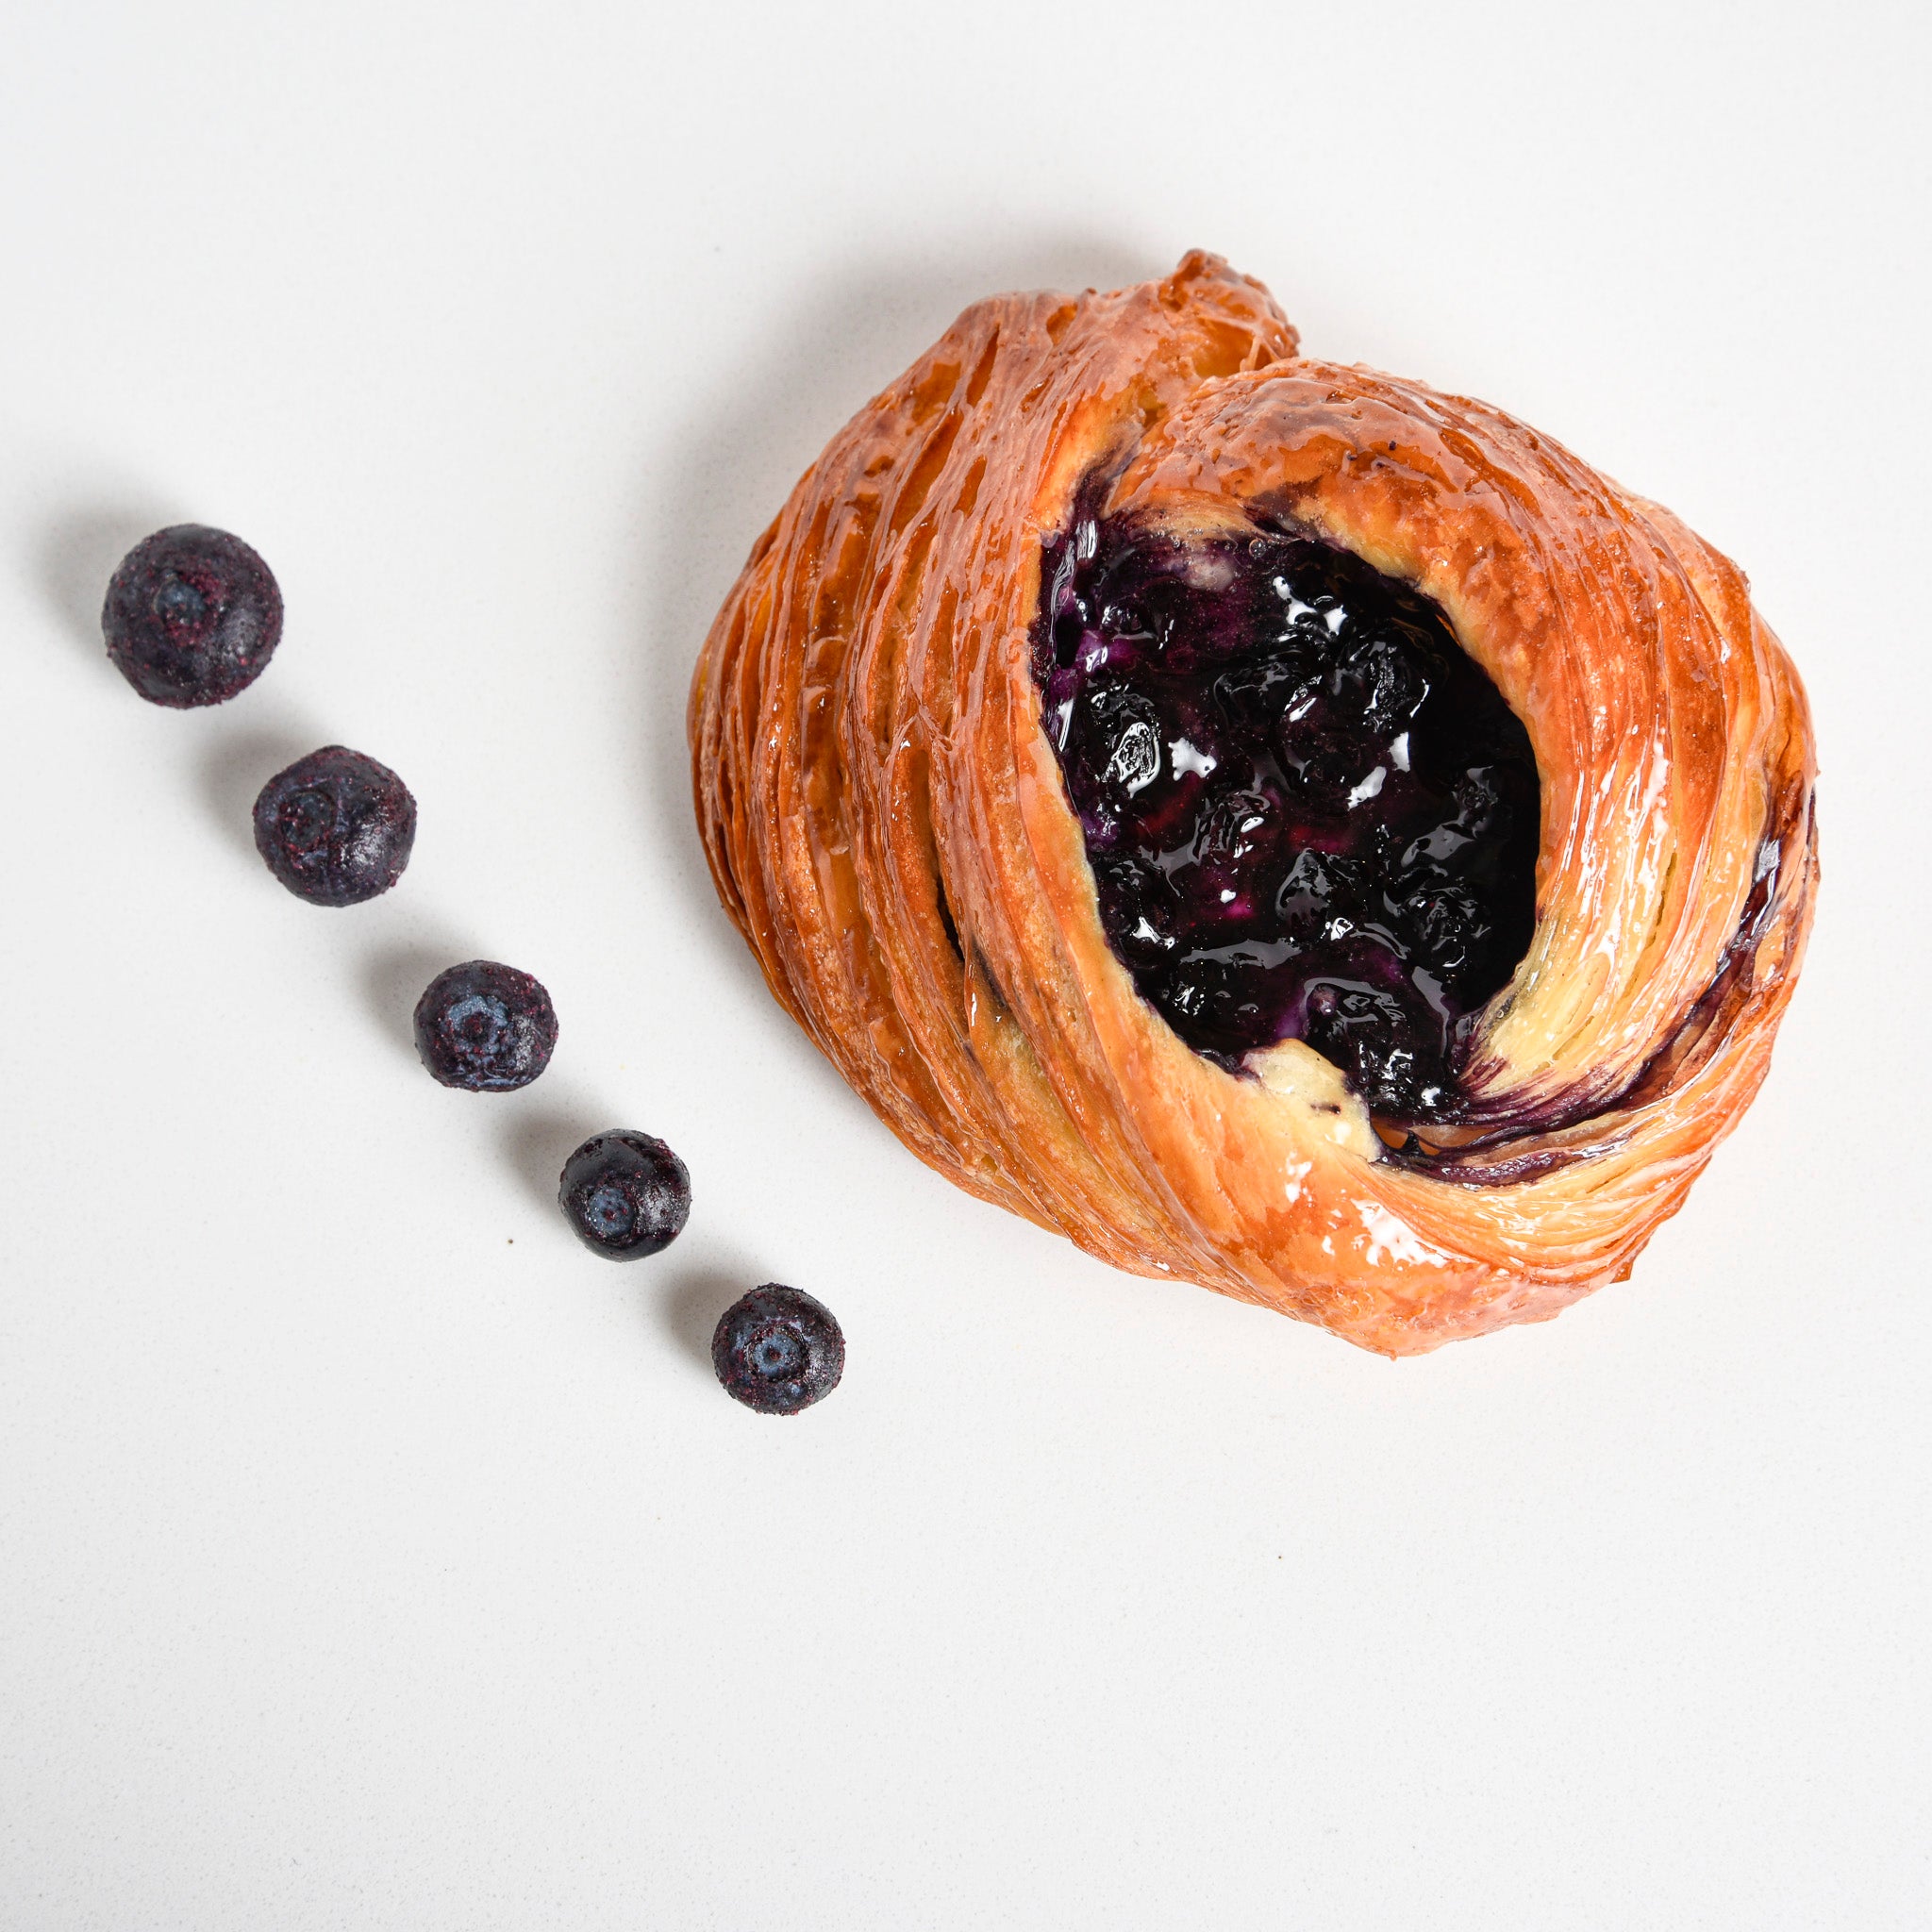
pixel 626 1195
pixel 778 1351
pixel 335 827
pixel 193 616
pixel 485 1027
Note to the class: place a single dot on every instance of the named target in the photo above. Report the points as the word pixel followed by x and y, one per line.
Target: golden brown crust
pixel 887 825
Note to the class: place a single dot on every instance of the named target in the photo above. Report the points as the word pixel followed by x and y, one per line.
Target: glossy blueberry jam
pixel 626 1195
pixel 1310 813
pixel 335 827
pixel 193 616
pixel 485 1027
pixel 777 1350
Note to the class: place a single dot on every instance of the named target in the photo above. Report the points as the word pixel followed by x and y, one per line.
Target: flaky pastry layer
pixel 887 825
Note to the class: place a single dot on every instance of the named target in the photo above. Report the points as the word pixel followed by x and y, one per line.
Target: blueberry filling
pixel 1310 813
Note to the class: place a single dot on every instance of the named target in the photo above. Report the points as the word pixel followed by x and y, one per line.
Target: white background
pixel 371 1556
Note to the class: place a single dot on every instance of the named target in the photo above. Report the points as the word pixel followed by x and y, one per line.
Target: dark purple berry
pixel 485 1027
pixel 778 1351
pixel 335 827
pixel 193 616
pixel 626 1195
pixel 1448 927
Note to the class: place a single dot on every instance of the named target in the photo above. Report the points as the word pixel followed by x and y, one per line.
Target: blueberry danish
pixel 1277 825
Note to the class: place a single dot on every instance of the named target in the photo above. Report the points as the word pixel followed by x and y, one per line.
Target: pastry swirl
pixel 888 825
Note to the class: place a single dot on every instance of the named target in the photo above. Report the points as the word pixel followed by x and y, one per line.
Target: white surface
pixel 372 1556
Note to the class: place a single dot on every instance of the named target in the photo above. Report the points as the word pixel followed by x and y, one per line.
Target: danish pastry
pixel 1277 825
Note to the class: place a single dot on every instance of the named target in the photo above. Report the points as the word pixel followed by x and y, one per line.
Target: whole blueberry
pixel 627 1194
pixel 777 1350
pixel 485 1027
pixel 193 616
pixel 335 827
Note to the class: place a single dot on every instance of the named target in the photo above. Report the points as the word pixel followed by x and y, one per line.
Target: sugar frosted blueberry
pixel 485 1027
pixel 193 616
pixel 778 1350
pixel 335 827
pixel 624 1195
